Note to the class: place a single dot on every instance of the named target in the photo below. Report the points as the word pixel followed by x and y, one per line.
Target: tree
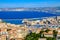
pixel 47 30
pixel 50 38
pixel 32 36
pixel 55 33
pixel 42 33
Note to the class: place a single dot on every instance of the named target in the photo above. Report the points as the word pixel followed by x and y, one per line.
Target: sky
pixel 29 3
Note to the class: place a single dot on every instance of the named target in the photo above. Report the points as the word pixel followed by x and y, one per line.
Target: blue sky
pixel 29 3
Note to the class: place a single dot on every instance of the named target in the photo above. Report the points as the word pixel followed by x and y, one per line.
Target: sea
pixel 16 17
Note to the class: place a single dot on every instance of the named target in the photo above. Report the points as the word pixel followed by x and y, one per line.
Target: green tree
pixel 32 36
pixel 47 30
pixel 50 38
pixel 42 33
pixel 55 33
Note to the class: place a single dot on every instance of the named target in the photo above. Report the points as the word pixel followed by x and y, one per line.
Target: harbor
pixel 10 31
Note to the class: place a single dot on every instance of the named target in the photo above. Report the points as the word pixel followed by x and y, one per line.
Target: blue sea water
pixel 8 16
